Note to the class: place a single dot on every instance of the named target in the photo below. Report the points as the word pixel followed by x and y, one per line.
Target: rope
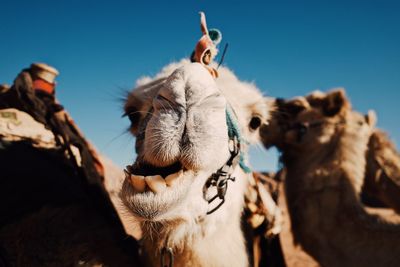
pixel 223 56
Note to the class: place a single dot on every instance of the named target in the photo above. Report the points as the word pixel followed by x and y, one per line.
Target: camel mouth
pixel 146 169
pixel 145 177
pixel 151 193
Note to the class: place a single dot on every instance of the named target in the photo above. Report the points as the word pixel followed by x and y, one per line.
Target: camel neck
pixel 327 217
pixel 224 247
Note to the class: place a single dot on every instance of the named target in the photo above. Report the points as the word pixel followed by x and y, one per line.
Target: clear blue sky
pixel 287 48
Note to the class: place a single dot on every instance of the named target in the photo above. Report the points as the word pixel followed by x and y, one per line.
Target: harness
pixel 223 175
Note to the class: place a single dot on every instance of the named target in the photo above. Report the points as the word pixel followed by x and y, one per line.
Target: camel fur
pixel 324 148
pixel 179 120
pixel 382 177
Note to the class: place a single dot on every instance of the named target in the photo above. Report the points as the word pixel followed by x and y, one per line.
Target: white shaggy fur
pixel 181 117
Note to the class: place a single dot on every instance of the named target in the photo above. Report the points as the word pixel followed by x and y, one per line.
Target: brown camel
pixel 382 177
pixel 381 184
pixel 323 150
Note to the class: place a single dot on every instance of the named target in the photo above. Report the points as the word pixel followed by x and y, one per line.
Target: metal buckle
pixel 222 187
pixel 220 178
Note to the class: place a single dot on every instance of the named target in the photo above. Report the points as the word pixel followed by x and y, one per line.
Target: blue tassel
pixel 234 131
pixel 242 165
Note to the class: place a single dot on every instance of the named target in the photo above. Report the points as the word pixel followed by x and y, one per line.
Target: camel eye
pixel 133 116
pixel 255 123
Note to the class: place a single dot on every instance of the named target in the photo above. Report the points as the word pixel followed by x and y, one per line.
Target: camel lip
pixel 146 169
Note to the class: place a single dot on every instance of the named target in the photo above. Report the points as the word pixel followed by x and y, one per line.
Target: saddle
pixel 55 210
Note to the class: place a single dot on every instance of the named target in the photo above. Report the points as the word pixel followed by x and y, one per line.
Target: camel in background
pixel 324 145
pixel 381 184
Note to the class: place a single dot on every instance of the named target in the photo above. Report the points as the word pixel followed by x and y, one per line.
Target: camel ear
pixel 316 98
pixel 335 102
pixel 371 118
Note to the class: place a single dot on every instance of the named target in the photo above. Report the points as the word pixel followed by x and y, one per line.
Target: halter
pixel 220 178
pixel 223 175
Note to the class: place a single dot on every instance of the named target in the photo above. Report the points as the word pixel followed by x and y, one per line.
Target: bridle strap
pixel 223 175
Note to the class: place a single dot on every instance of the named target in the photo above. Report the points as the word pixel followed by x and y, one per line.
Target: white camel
pixel 181 119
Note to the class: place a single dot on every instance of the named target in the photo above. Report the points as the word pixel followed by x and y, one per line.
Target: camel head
pixel 312 122
pixel 179 119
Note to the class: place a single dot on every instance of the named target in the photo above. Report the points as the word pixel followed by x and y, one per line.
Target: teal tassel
pixel 233 128
pixel 234 131
pixel 215 36
pixel 242 165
